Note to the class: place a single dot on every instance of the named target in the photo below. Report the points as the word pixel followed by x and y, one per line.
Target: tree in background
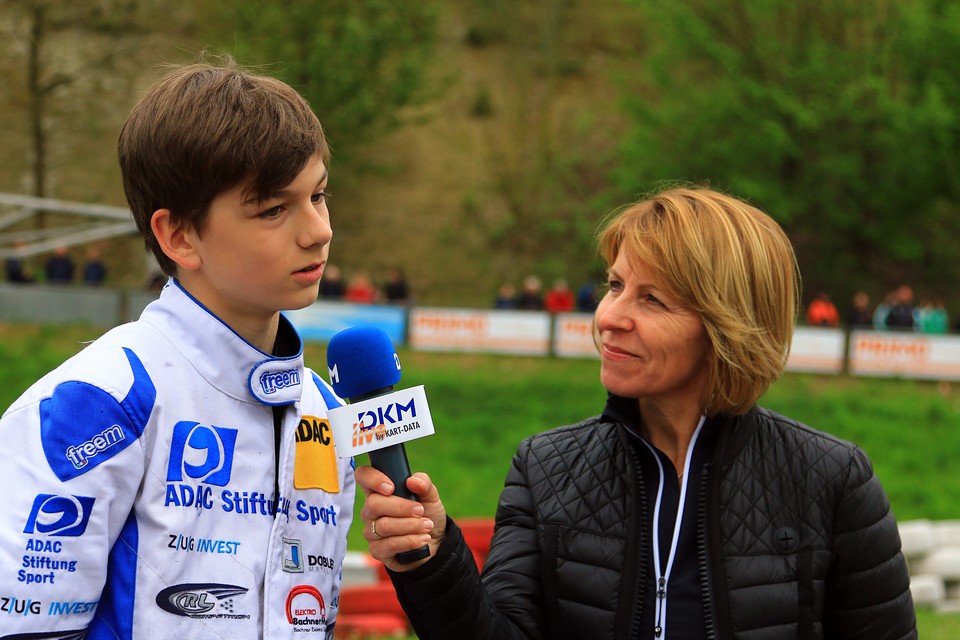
pixel 548 132
pixel 66 64
pixel 839 117
pixel 360 63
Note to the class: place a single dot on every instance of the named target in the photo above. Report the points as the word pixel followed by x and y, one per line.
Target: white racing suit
pixel 140 489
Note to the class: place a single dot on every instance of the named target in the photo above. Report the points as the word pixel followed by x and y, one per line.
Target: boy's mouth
pixel 309 268
pixel 310 274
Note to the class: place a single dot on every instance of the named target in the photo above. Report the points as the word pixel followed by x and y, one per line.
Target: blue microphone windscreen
pixel 362 360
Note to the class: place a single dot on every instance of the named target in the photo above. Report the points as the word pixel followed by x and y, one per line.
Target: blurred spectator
pixel 331 285
pixel 587 298
pixel 506 297
pixel 559 298
pixel 932 317
pixel 900 315
pixel 821 312
pixel 395 289
pixel 94 270
pixel 59 268
pixel 16 272
pixel 531 295
pixel 858 316
pixel 360 289
pixel 881 311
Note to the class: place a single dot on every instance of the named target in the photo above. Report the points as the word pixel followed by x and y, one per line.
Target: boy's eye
pixel 320 196
pixel 272 212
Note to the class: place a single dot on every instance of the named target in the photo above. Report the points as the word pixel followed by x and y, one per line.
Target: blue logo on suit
pixel 202 453
pixel 83 426
pixel 55 515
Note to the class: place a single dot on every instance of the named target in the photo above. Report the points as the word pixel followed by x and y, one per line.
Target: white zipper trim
pixel 663 578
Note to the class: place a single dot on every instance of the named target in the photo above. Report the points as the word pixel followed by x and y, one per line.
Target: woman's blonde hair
pixel 733 266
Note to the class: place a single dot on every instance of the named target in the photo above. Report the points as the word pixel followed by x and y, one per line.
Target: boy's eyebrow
pixel 254 199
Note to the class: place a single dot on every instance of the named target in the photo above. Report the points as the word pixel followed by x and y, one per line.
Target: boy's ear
pixel 178 242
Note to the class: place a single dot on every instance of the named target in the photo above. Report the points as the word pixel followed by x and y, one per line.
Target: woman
pixel 684 510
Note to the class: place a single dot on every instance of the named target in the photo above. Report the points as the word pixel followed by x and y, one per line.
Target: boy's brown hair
pixel 207 128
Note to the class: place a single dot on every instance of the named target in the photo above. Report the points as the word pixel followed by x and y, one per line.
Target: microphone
pixel 364 367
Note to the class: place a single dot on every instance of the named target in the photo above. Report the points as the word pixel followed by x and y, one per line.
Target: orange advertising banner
pixel 908 355
pixel 509 332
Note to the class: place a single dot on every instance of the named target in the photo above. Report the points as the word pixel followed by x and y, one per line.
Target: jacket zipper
pixel 640 503
pixel 663 572
pixel 660 615
pixel 705 589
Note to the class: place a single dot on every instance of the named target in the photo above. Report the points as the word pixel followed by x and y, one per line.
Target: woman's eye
pixel 652 299
pixel 614 285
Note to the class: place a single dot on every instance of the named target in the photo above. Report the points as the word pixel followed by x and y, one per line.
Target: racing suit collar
pixel 222 356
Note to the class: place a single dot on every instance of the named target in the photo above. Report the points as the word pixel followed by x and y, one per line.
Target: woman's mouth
pixel 616 353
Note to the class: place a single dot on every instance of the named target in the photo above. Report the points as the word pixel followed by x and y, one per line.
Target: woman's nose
pixel 612 313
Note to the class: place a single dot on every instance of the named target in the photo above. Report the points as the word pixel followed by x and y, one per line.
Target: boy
pixel 177 477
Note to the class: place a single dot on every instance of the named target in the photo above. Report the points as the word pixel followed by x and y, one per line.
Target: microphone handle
pixel 393 462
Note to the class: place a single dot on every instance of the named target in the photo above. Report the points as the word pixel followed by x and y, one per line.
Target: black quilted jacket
pixel 798 542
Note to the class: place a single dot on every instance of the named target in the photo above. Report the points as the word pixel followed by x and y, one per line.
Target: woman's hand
pixel 392 524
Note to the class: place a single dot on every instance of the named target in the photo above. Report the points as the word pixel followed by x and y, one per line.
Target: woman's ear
pixel 179 243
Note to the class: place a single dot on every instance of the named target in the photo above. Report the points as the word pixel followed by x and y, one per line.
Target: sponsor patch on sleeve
pixel 82 426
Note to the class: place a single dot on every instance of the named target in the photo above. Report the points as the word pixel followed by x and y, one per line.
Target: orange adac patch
pixel 315 465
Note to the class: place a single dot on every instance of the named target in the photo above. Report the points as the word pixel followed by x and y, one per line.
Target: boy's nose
pixel 316 228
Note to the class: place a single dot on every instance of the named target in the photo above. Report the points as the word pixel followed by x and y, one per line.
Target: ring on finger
pixel 373 530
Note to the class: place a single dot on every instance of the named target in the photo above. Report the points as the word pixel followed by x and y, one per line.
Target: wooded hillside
pixel 477 142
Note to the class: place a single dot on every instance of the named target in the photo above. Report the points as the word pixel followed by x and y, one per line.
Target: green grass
pixel 910 430
pixel 484 405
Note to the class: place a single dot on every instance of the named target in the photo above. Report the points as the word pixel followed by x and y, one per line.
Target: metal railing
pixel 98 222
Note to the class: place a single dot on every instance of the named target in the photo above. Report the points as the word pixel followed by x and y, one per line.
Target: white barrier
pixel 323 319
pixel 359 568
pixel 932 550
pixel 573 336
pixel 817 350
pixel 814 349
pixel 907 355
pixel 60 304
pixel 463 330
pixel 536 333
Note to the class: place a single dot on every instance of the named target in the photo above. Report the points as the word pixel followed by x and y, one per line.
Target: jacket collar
pixel 221 356
pixel 734 433
pixel 731 432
